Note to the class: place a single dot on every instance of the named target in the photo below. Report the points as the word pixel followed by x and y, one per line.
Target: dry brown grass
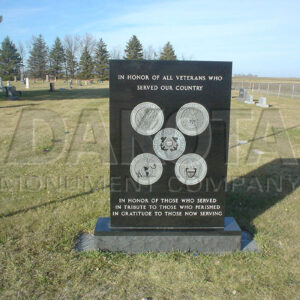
pixel 40 223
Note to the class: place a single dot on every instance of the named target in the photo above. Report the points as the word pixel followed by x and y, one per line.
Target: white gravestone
pixel 242 95
pixel 8 83
pixel 262 102
pixel 249 100
pixel 27 83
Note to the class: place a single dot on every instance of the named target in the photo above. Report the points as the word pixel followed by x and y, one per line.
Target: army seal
pixel 192 119
pixel 190 169
pixel 147 118
pixel 169 144
pixel 146 169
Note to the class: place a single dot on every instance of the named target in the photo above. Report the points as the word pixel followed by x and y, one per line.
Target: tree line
pixel 72 57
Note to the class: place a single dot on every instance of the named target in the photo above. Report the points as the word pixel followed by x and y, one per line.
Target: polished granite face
pixel 169 128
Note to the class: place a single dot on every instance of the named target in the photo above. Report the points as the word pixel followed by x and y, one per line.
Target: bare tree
pixel 150 53
pixel 72 43
pixel 115 53
pixel 29 43
pixel 88 42
pixel 183 57
pixel 21 50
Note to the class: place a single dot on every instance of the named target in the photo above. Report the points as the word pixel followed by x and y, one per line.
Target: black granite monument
pixel 169 130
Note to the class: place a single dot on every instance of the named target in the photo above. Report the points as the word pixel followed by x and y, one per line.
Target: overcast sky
pixel 259 37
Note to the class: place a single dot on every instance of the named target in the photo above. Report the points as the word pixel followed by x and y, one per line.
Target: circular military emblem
pixel 169 144
pixel 146 168
pixel 192 118
pixel 190 169
pixel 147 118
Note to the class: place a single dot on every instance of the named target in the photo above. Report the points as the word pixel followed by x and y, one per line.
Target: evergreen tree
pixel 38 58
pixel 70 63
pixel 168 52
pixel 86 64
pixel 134 49
pixel 57 58
pixel 10 60
pixel 101 60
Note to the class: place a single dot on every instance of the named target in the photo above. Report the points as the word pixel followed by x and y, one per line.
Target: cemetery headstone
pixel 51 87
pixel 22 76
pixel 15 78
pixel 262 102
pixel 242 95
pixel 169 130
pixel 249 99
pixel 8 83
pixel 85 83
pixel 47 78
pixel 11 93
pixel 27 83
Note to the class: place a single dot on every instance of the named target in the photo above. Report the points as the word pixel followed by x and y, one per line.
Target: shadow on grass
pixel 65 94
pixel 266 136
pixel 253 194
pixel 52 202
pixel 9 106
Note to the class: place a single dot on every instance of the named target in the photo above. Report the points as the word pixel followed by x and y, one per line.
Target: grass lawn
pixel 46 203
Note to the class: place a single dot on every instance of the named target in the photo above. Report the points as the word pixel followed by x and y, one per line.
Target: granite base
pixel 106 238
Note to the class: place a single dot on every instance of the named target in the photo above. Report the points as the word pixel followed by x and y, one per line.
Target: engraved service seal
pixel 190 169
pixel 169 144
pixel 146 168
pixel 192 118
pixel 147 118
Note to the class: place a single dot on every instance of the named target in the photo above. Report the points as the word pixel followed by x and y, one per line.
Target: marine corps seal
pixel 146 168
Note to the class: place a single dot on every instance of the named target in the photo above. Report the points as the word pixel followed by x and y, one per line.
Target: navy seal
pixel 190 169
